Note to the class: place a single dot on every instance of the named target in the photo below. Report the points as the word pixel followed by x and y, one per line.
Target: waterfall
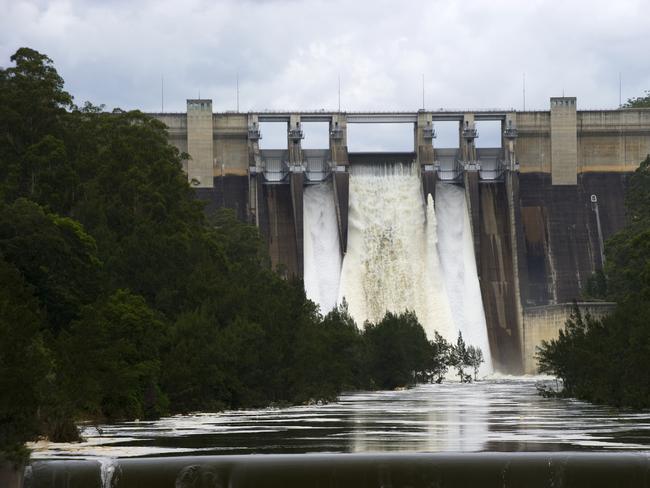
pixel 322 254
pixel 392 262
pixel 402 254
pixel 109 471
pixel 456 249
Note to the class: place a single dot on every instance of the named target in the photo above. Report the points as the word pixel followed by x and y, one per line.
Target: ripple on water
pixel 498 414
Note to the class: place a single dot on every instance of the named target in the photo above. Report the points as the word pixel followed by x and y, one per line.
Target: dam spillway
pixel 456 251
pixel 402 254
pixel 322 256
pixel 392 262
pixel 535 201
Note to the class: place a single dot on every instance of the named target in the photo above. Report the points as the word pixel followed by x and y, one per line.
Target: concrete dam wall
pixel 540 205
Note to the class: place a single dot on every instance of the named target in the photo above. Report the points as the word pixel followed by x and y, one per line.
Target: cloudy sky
pixel 290 54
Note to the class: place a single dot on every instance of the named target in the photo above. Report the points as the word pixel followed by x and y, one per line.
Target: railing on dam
pixel 317 165
pixel 448 470
pixel 276 167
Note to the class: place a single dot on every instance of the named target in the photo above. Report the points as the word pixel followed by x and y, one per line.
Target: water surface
pixel 503 414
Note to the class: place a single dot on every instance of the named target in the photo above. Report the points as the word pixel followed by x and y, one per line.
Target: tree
pixel 25 364
pixel 194 369
pixel 338 359
pixel 55 256
pixel 603 361
pixel 399 352
pixel 33 105
pixel 627 269
pixel 441 358
pixel 475 357
pixel 606 361
pixel 54 181
pixel 116 344
pixel 460 359
pixel 638 102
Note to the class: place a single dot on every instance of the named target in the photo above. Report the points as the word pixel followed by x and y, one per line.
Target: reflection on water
pixel 492 415
pixel 433 418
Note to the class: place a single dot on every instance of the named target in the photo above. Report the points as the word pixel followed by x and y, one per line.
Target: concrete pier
pixel 424 136
pixel 200 143
pixel 340 175
pixel 296 182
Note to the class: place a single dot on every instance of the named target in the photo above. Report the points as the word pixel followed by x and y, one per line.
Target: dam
pixel 518 228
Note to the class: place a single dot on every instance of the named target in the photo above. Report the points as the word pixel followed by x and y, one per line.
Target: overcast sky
pixel 290 54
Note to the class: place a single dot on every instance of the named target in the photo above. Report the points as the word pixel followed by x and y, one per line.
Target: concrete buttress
pixel 296 182
pixel 340 176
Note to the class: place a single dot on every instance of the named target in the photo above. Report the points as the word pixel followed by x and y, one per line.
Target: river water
pixel 497 414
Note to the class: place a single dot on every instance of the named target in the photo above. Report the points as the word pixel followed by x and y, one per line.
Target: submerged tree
pixel 399 352
pixel 460 359
pixel 475 356
pixel 441 358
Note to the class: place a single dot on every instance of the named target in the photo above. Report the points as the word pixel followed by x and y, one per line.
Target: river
pixel 497 414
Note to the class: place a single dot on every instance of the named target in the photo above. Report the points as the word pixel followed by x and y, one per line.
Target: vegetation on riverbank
pixel 608 361
pixel 120 299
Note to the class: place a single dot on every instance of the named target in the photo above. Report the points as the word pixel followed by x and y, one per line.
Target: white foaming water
pixel 392 262
pixel 456 248
pixel 107 468
pixel 322 254
pixel 500 413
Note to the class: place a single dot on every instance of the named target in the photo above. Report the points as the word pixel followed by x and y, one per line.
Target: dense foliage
pixel 120 299
pixel 638 102
pixel 607 361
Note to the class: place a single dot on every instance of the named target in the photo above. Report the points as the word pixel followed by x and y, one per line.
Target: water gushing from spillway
pixel 456 249
pixel 402 254
pixel 392 261
pixel 322 254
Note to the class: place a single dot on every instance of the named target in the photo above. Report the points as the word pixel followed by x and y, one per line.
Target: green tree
pixel 602 360
pixel 25 364
pixel 346 357
pixel 399 352
pixel 638 102
pixel 460 359
pixel 54 180
pixel 33 105
pixel 475 359
pixel 116 343
pixel 136 202
pixel 606 361
pixel 330 357
pixel 441 357
pixel 627 267
pixel 55 256
pixel 194 372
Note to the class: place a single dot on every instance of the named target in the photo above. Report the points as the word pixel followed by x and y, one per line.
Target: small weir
pixel 487 470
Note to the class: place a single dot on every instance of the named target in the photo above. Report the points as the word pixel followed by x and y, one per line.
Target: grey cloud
pixel 289 54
